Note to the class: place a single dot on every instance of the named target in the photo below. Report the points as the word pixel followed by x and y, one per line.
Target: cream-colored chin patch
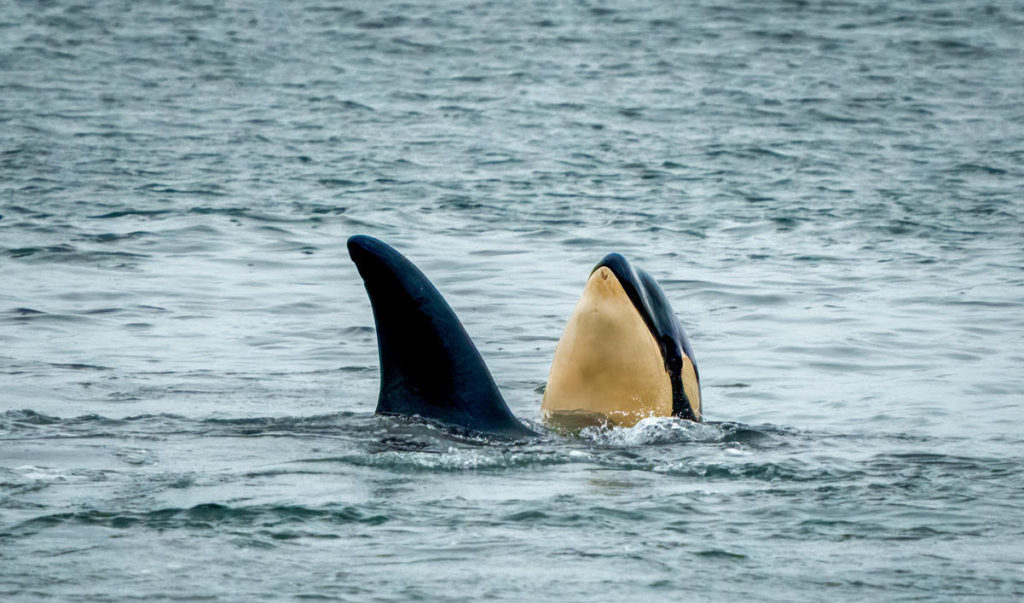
pixel 607 363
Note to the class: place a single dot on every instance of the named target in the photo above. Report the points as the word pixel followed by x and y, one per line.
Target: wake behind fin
pixel 429 366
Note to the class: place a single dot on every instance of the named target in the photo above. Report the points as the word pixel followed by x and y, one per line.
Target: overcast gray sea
pixel 830 193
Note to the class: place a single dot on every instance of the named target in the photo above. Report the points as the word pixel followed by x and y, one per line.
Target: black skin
pixel 653 306
pixel 429 366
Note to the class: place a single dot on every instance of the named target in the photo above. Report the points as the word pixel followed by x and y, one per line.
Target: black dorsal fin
pixel 428 364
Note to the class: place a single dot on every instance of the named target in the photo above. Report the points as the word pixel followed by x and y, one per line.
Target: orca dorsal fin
pixel 429 366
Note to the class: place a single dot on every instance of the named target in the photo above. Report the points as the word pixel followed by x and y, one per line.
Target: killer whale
pixel 623 355
pixel 430 368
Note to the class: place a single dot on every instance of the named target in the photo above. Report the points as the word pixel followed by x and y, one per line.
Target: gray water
pixel 829 193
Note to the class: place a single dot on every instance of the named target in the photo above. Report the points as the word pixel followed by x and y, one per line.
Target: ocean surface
pixel 830 193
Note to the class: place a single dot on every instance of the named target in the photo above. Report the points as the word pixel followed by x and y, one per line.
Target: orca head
pixel 623 355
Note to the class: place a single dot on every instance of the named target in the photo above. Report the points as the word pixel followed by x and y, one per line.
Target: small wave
pixel 720 554
pixel 36 477
pixel 672 430
pixel 65 253
pixel 143 213
pixel 113 237
pixel 768 471
pixel 38 316
pixel 202 516
pixel 946 467
pixel 28 423
pixel 28 417
pixel 324 425
pixel 340 183
pixel 454 459
pixel 74 366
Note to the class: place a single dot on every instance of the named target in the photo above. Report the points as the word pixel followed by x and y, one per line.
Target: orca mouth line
pixel 430 367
